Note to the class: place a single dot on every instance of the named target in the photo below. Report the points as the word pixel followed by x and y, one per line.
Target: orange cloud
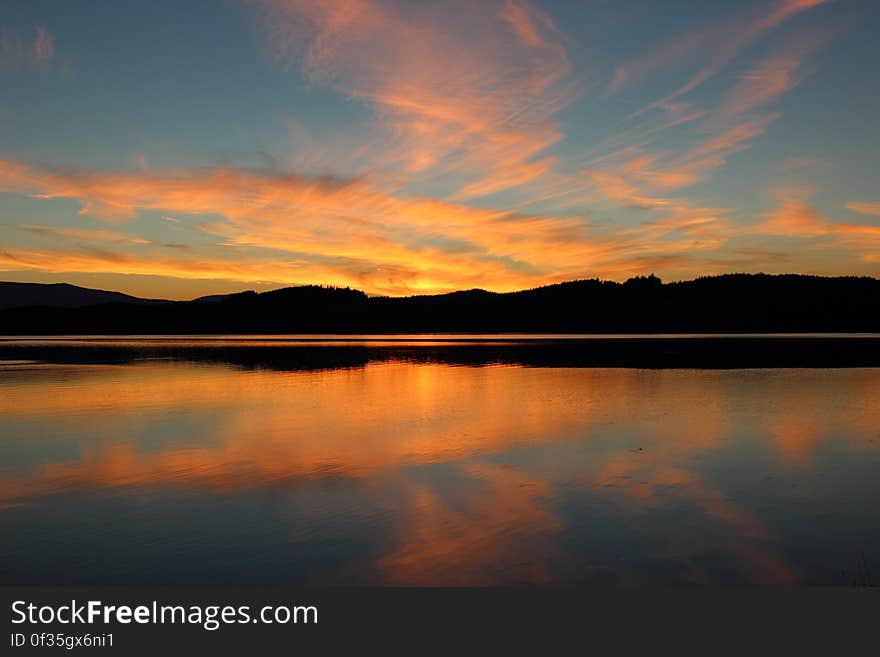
pixel 862 207
pixel 296 229
pixel 794 216
pixel 465 91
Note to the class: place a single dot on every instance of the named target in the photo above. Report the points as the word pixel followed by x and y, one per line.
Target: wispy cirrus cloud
pixel 863 207
pixel 91 235
pixel 467 90
pixel 18 51
pixel 44 45
pixel 715 45
pixel 634 174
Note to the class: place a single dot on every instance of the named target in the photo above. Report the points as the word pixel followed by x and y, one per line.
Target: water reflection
pixel 425 473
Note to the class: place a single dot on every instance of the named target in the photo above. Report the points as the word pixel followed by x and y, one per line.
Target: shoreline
pixel 277 352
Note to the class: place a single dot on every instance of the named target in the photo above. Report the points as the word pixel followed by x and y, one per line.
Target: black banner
pixel 223 621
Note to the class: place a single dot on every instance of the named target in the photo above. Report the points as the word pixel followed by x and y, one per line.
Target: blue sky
pixel 176 149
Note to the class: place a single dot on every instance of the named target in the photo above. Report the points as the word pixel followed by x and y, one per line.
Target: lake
pixel 432 460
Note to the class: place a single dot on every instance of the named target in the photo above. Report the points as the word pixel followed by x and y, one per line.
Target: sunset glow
pixel 176 149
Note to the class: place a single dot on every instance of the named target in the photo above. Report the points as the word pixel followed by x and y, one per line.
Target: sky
pixel 174 149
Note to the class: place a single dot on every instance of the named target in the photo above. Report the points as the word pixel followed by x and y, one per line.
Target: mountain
pixel 737 303
pixel 60 295
pixel 211 298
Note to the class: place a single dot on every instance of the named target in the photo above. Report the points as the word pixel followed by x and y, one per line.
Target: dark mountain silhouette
pixel 211 298
pixel 730 303
pixel 60 295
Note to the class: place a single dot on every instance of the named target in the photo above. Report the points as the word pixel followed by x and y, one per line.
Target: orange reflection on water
pixel 249 427
pixel 487 536
pixel 517 439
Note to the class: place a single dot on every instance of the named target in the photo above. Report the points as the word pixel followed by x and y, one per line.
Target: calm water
pixel 172 471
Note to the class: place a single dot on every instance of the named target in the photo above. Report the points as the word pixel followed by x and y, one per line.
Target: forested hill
pixel 60 295
pixel 728 303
